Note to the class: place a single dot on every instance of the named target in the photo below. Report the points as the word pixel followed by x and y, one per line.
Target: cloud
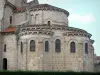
pixel 43 1
pixel 89 18
pixel 70 10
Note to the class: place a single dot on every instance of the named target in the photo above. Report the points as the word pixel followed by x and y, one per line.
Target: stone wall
pixel 17 3
pixel 63 61
pixel 7 13
pixel 42 17
pixel 0 51
pixel 19 18
pixel 2 3
pixel 11 51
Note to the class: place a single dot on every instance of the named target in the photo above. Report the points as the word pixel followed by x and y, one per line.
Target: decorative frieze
pixel 47 30
pixel 48 7
pixel 77 34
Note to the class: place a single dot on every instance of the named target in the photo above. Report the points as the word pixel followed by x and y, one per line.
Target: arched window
pixel 32 45
pixel 10 19
pixel 49 23
pixel 57 45
pixel 86 48
pixel 46 46
pixel 4 64
pixel 21 47
pixel 72 47
pixel 5 48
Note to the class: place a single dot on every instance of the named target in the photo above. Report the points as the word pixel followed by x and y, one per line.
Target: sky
pixel 84 14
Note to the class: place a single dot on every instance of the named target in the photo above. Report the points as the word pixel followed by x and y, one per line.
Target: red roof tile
pixel 10 29
pixel 20 9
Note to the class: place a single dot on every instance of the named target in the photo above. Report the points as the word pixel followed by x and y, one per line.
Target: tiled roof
pixel 9 29
pixel 20 8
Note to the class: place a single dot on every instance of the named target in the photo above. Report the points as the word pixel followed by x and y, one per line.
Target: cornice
pixel 68 31
pixel 48 7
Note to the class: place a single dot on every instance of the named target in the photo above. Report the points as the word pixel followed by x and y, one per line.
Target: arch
pixel 5 48
pixel 49 23
pixel 57 45
pixel 86 48
pixel 72 47
pixel 46 46
pixel 21 47
pixel 10 19
pixel 4 64
pixel 32 45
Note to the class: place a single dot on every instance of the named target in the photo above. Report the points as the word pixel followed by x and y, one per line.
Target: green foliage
pixel 45 73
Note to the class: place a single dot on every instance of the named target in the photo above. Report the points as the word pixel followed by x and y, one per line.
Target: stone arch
pixel 86 46
pixel 61 42
pixel 57 45
pixel 32 45
pixel 32 38
pixel 46 46
pixel 49 23
pixel 75 42
pixel 72 47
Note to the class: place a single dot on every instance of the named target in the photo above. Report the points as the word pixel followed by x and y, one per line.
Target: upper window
pixel 21 47
pixel 32 45
pixel 10 19
pixel 57 45
pixel 86 48
pixel 46 46
pixel 5 48
pixel 49 23
pixel 72 47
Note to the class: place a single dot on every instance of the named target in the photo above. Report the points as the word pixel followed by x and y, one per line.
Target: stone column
pixel 40 54
pixel 81 56
pixel 24 55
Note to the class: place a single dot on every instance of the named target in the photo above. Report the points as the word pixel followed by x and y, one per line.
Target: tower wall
pixel 42 17
pixel 11 51
pixel 2 3
pixel 18 3
pixel 8 11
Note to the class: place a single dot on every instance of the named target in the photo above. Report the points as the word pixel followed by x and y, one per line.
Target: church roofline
pixel 48 7
pixel 10 4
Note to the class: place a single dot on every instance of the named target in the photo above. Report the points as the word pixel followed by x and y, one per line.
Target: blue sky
pixel 84 14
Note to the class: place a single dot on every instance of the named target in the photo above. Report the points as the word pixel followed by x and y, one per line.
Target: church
pixel 38 37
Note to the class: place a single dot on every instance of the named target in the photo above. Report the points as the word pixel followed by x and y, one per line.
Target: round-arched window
pixel 86 48
pixel 32 45
pixel 46 46
pixel 57 45
pixel 72 47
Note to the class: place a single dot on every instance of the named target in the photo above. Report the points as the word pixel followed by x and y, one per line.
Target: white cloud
pixel 70 9
pixel 89 18
pixel 43 1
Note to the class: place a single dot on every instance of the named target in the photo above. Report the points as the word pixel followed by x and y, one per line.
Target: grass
pixel 45 73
